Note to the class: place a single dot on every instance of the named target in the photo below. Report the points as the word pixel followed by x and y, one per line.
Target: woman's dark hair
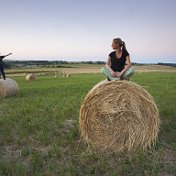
pixel 121 43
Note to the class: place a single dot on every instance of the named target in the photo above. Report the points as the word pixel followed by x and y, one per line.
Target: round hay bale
pixel 8 87
pixel 97 85
pixel 30 77
pixel 1 89
pixel 118 116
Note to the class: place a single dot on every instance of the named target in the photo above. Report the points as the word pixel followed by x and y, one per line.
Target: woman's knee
pixel 132 71
pixel 103 70
pixel 129 72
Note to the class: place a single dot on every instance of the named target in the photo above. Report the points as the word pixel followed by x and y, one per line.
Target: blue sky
pixel 83 30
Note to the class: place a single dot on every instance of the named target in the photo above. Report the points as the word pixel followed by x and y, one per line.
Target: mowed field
pixel 82 68
pixel 39 128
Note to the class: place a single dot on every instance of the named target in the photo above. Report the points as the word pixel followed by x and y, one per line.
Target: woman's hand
pixel 118 75
pixel 113 73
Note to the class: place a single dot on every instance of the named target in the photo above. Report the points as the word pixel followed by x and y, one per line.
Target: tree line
pixel 61 63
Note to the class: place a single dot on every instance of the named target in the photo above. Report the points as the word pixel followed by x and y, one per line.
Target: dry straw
pixel 1 89
pixel 8 87
pixel 118 116
pixel 30 77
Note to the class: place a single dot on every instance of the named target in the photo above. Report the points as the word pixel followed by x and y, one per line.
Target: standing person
pixel 118 65
pixel 2 65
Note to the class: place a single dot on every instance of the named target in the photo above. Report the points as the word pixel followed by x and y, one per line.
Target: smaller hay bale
pixel 66 75
pixel 30 77
pixel 119 116
pixel 8 87
pixel 1 90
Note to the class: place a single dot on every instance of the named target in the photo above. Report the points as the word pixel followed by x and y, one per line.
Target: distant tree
pixel 100 62
pixel 167 64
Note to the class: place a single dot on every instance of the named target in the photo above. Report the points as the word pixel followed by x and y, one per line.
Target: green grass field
pixel 39 130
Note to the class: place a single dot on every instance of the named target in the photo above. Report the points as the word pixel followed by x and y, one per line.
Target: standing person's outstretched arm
pixel 8 54
pixel 2 57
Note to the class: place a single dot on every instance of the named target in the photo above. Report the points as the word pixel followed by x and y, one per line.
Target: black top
pixel 118 64
pixel 1 58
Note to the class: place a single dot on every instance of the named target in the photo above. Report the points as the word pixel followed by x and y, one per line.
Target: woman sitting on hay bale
pixel 118 65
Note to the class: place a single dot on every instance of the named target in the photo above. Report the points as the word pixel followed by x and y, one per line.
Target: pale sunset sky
pixel 81 30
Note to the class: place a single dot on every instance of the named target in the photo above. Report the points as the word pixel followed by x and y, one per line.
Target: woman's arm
pixel 128 65
pixel 8 54
pixel 108 63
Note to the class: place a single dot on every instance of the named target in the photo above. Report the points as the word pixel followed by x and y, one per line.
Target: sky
pixel 81 30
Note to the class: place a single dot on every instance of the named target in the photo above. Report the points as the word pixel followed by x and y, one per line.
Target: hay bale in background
pixel 8 87
pixel 118 116
pixel 66 75
pixel 30 77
